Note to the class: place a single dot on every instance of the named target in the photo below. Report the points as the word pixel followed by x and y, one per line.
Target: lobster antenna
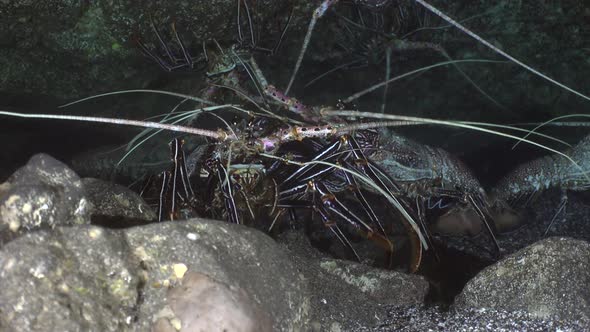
pixel 551 121
pixel 446 55
pixel 558 123
pixel 458 25
pixel 165 118
pixel 491 125
pixel 413 120
pixel 528 132
pixel 412 72
pixel 319 77
pixel 178 118
pixel 317 14
pixel 162 92
pixel 220 134
pixel 442 27
pixel 175 119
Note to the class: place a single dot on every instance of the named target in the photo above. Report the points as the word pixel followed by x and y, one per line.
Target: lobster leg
pixel 324 154
pixel 561 208
pixel 169 61
pixel 330 202
pixel 164 199
pixel 372 171
pixel 326 204
pixel 335 206
pixel 421 213
pixel 479 205
pixel 316 182
pixel 318 207
pixel 283 33
pixel 187 57
pixel 172 63
pixel 178 157
pixel 480 208
pixel 225 185
pixel 354 187
pixel 161 62
pixel 250 25
pixel 322 178
pixel 172 180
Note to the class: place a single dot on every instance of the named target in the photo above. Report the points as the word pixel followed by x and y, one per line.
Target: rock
pixel 137 279
pixel 200 303
pixel 237 256
pixel 71 49
pixel 115 205
pixel 547 279
pixel 69 279
pixel 346 295
pixel 42 194
pixel 418 319
pixel 45 193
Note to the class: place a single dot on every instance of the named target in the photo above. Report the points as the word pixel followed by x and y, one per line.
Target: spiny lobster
pixel 318 164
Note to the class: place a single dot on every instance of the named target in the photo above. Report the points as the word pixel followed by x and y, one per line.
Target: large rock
pixel 46 193
pixel 547 279
pixel 42 194
pixel 71 49
pixel 115 205
pixel 346 295
pixel 94 279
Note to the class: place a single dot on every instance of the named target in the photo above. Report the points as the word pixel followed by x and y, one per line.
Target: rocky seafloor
pixel 66 266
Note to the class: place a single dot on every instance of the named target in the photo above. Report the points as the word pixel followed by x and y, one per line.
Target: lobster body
pixel 547 172
pixel 429 174
pixel 410 162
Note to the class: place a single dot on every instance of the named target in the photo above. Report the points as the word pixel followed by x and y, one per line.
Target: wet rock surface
pixel 70 49
pixel 171 276
pixel 347 295
pixel 91 278
pixel 116 206
pixel 546 279
pixel 46 193
pixel 42 194
pixel 203 274
pixel 67 279
pixel 200 303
